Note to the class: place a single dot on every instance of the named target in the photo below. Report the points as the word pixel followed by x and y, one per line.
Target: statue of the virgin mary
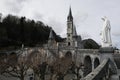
pixel 105 34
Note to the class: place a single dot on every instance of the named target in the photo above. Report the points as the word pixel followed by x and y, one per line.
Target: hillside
pixel 15 31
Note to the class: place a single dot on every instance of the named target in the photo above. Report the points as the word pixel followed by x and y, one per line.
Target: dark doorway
pixel 68 43
pixel 87 65
pixel 96 62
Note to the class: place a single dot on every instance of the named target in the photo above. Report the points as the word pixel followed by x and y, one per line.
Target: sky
pixel 87 15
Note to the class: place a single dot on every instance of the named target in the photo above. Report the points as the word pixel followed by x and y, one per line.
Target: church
pixel 72 40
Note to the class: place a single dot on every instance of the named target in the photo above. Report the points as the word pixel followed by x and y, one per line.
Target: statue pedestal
pixel 106 50
pixel 106 44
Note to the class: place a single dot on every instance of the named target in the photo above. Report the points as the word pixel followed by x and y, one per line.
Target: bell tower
pixel 70 28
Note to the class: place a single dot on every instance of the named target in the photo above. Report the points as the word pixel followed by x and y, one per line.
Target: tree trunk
pixel 21 78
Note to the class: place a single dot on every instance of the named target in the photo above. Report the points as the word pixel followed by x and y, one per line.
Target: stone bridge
pixel 98 63
pixel 99 73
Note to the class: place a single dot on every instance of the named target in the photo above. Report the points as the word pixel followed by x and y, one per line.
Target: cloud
pixel 38 16
pixel 56 25
pixel 116 31
pixel 12 6
pixel 85 36
pixel 117 34
pixel 80 18
pixel 116 39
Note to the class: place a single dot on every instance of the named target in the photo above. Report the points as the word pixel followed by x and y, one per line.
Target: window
pixel 68 43
pixel 68 35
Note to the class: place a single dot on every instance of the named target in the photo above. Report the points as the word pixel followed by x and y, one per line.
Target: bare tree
pixel 3 62
pixel 16 67
pixel 60 67
pixel 38 64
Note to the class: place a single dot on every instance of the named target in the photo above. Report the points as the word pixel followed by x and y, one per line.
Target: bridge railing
pixel 99 72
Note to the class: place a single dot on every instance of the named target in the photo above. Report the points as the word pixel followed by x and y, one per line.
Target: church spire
pixel 70 17
pixel 74 31
pixel 51 37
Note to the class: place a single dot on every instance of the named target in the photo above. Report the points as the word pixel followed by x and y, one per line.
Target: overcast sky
pixel 87 15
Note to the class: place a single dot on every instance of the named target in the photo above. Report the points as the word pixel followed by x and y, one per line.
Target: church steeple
pixel 70 17
pixel 51 40
pixel 70 28
pixel 51 37
pixel 74 31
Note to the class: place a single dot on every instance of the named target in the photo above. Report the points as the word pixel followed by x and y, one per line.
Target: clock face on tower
pixel 69 28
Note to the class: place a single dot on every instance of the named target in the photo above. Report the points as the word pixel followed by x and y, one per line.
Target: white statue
pixel 105 34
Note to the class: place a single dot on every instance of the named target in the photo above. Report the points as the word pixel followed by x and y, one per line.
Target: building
pixel 72 40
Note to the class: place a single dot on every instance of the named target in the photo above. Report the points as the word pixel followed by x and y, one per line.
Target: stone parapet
pixel 106 50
